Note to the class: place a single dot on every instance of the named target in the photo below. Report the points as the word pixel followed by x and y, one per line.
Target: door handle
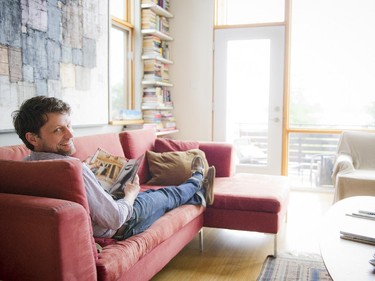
pixel 276 119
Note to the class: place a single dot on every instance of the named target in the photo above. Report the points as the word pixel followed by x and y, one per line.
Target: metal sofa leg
pixel 275 245
pixel 201 239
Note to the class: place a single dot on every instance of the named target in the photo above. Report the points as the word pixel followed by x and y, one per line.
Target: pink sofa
pixel 46 231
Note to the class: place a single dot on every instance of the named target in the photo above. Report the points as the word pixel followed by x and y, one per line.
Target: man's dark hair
pixel 32 115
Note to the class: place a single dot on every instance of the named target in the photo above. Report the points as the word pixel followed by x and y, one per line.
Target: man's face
pixel 55 136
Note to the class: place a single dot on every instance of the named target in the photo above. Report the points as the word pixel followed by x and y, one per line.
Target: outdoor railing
pixel 310 155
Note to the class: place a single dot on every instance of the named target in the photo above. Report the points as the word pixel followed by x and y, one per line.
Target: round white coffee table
pixel 346 260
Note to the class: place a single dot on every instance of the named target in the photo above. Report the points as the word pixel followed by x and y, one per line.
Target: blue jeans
pixel 152 204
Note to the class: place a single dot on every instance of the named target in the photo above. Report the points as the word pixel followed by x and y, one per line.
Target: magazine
pixel 114 172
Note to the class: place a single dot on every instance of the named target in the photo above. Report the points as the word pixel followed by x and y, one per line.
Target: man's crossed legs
pixel 152 204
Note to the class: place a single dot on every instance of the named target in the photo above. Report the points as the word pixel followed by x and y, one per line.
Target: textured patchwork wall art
pixel 55 48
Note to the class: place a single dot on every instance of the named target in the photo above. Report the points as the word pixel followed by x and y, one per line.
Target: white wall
pixel 9 139
pixel 191 73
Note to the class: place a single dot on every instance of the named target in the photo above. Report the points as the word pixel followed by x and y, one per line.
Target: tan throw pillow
pixel 172 168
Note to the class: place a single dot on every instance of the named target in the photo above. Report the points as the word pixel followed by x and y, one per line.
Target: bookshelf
pixel 157 105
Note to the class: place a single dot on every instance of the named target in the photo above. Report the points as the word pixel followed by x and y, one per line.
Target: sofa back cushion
pixel 220 155
pixel 167 145
pixel 14 152
pixel 135 143
pixel 61 179
pixel 87 145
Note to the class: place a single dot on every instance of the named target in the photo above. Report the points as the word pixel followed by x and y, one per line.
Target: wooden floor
pixel 239 255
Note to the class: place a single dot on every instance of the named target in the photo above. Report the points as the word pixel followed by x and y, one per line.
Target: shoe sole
pixel 195 166
pixel 210 185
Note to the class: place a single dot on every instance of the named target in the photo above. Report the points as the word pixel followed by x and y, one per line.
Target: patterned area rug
pixel 292 266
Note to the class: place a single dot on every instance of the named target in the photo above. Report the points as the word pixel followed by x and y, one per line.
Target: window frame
pixel 126 25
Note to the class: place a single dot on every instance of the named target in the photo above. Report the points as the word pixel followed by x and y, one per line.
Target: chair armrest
pixel 44 239
pixel 343 165
pixel 219 155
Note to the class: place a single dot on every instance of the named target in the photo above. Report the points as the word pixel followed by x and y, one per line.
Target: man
pixel 43 124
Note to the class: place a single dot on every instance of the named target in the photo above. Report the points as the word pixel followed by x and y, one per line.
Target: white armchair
pixel 354 169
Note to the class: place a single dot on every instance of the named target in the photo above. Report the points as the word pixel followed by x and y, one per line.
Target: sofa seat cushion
pixel 117 258
pixel 251 192
pixel 365 175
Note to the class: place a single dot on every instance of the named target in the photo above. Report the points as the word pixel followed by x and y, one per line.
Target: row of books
pixel 162 3
pixel 152 45
pixel 156 97
pixel 150 20
pixel 155 70
pixel 158 127
pixel 161 120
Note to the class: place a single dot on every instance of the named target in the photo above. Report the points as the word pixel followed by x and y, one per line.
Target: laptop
pixel 358 229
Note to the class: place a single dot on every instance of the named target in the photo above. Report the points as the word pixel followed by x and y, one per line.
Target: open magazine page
pixel 107 167
pixel 114 172
pixel 127 175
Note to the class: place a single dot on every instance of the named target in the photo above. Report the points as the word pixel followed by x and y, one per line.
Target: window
pixel 232 12
pixel 121 64
pixel 331 85
pixel 119 9
pixel 332 64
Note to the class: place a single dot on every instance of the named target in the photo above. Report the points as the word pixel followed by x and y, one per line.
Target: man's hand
pixel 132 190
pixel 136 180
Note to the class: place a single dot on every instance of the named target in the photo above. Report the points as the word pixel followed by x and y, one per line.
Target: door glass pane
pixel 332 64
pixel 248 77
pixel 249 11
pixel 118 72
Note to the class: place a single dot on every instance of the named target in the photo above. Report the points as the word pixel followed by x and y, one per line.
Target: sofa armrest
pixel 219 155
pixel 44 239
pixel 60 179
pixel 356 183
pixel 343 165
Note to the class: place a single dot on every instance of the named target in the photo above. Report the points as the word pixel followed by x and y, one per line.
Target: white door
pixel 248 95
